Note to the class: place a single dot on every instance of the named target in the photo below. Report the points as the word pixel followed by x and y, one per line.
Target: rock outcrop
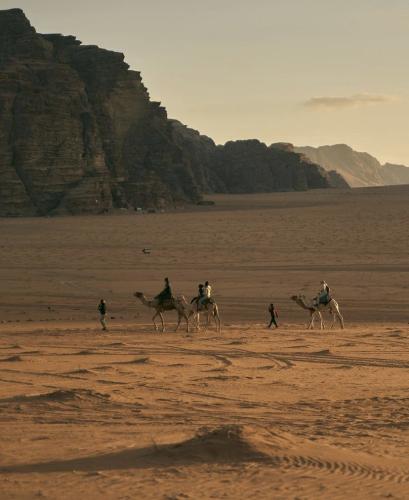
pixel 358 169
pixel 78 131
pixel 250 166
pixel 199 150
pixel 79 134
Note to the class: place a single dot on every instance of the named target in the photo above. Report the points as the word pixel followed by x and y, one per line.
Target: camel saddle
pixel 168 303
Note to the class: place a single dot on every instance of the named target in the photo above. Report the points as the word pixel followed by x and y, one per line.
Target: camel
pixel 167 305
pixel 210 308
pixel 315 310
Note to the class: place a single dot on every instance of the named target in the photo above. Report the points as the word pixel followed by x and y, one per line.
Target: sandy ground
pixel 249 412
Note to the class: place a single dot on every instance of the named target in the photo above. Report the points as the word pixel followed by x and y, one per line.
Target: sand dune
pixel 231 444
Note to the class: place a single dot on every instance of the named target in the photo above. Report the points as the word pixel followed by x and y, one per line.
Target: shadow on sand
pixel 227 444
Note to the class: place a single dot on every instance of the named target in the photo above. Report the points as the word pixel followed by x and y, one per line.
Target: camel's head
pixel 138 294
pixel 182 298
pixel 297 298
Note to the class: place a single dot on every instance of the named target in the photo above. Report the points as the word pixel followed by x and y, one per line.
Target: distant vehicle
pixel 146 251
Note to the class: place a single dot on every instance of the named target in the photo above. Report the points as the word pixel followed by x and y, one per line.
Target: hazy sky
pixel 310 72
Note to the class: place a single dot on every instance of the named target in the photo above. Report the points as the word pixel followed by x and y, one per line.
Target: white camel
pixel 209 308
pixel 315 310
pixel 167 305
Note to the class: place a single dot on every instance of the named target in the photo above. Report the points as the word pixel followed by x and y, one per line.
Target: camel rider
pixel 207 294
pixel 165 294
pixel 324 295
pixel 208 289
pixel 201 293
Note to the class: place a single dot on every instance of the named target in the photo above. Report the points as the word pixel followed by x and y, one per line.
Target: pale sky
pixel 310 72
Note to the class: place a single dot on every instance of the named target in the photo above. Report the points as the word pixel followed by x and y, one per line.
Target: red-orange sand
pixel 247 413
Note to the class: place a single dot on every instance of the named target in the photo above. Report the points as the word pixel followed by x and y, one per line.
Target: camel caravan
pixel 204 304
pixel 165 301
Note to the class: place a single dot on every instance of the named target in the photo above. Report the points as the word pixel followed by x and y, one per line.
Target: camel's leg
pixel 163 323
pixel 311 324
pixel 217 320
pixel 336 314
pixel 192 315
pixel 154 322
pixel 179 320
pixel 198 321
pixel 208 317
pixel 332 318
pixel 216 317
pixel 332 312
pixel 180 316
pixel 195 321
pixel 340 318
pixel 207 320
pixel 318 314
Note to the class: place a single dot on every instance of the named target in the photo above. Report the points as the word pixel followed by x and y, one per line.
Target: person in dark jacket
pixel 274 316
pixel 102 308
pixel 165 294
pixel 200 295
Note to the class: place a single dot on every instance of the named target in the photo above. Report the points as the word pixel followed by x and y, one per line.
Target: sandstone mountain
pixel 358 169
pixel 79 134
pixel 78 131
pixel 250 166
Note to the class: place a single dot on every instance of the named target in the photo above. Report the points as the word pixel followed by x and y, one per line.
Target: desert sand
pixel 247 413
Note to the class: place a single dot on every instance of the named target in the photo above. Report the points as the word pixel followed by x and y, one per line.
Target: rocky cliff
pixel 79 134
pixel 78 131
pixel 358 169
pixel 250 166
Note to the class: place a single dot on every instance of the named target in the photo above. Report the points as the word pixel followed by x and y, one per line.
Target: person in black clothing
pixel 201 293
pixel 274 316
pixel 102 308
pixel 165 294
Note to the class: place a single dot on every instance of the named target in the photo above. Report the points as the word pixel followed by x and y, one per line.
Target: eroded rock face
pixel 250 166
pixel 79 134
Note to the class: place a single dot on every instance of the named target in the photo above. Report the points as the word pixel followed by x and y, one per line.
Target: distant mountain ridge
pixel 357 168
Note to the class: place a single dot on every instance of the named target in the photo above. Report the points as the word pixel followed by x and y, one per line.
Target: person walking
pixel 102 308
pixel 274 316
